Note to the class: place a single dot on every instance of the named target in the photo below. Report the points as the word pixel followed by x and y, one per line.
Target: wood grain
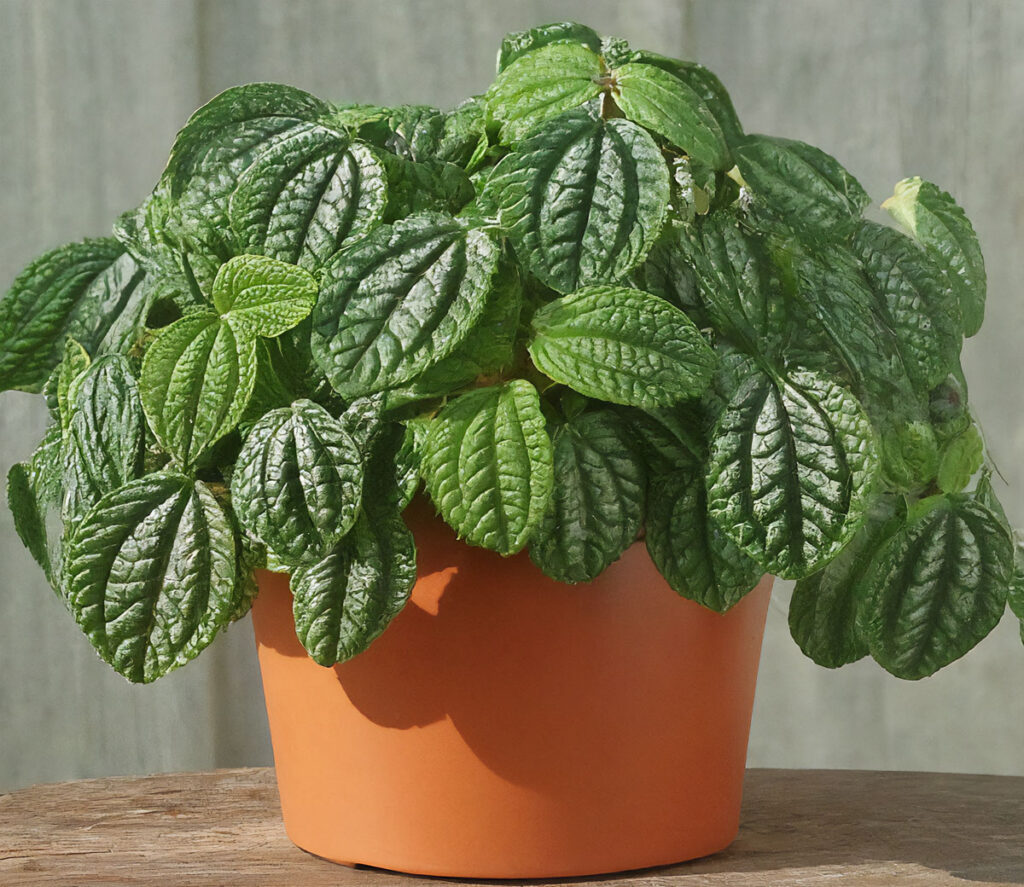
pixel 800 827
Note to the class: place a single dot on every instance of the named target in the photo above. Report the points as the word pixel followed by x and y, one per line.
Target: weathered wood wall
pixel 92 91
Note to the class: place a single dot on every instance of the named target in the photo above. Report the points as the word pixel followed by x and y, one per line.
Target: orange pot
pixel 508 726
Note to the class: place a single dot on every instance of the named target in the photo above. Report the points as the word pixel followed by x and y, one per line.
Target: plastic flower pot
pixel 509 726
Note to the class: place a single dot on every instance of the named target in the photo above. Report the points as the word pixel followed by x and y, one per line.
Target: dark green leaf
pixel 307 197
pixel 621 345
pixel 597 504
pixel 582 199
pixel 824 607
pixel 668 272
pixel 259 296
pixel 791 468
pixel 152 574
pixel 801 184
pixel 429 185
pixel 693 554
pixel 519 43
pixel 400 300
pixel 29 514
pixel 298 481
pixel 670 439
pixel 345 601
pixel 935 220
pixel 542 84
pixel 197 378
pixel 91 291
pixel 488 466
pixel 938 586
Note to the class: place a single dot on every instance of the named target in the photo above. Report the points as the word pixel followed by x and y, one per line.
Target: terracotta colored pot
pixel 508 726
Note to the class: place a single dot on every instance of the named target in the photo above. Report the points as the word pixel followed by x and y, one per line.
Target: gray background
pixel 92 92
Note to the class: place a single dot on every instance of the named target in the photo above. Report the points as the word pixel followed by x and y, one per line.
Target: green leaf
pixel 487 464
pixel 80 290
pixel 344 602
pixel 105 436
pixel 824 607
pixel 197 378
pixel 935 220
pixel 961 459
pixel 938 586
pixel 801 184
pixel 918 304
pixel 791 468
pixel 519 43
pixel 414 132
pixel 663 103
pixel 668 273
pixel 696 558
pixel 260 296
pixel 152 574
pixel 671 438
pixel 582 199
pixel 621 345
pixel 69 373
pixel 297 482
pixel 597 505
pixel 307 197
pixel 29 514
pixel 400 300
pixel 429 185
pixel 542 84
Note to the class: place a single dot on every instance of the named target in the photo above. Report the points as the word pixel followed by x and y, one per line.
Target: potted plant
pixel 636 358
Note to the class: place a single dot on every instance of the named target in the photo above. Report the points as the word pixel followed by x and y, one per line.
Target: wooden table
pixel 804 827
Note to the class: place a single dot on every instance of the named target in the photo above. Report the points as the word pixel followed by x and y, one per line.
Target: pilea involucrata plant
pixel 581 309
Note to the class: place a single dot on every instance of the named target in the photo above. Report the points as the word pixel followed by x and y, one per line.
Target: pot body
pixel 509 726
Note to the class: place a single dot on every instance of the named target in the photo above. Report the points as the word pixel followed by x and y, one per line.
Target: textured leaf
pixel 69 372
pixel 260 296
pixel 668 272
pixel 79 290
pixel 582 199
pixel 105 436
pixel 597 504
pixel 665 104
pixel 621 345
pixel 428 185
pixel 542 84
pixel 918 303
pixel 197 378
pixel 670 439
pixel 152 574
pixel 694 555
pixel 961 459
pixel 824 607
pixel 935 220
pixel 938 586
pixel 29 514
pixel 519 43
pixel 297 482
pixel 487 464
pixel 791 468
pixel 801 184
pixel 414 132
pixel 307 197
pixel 346 600
pixel 400 300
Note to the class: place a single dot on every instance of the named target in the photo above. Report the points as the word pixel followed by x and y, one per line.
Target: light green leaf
pixel 824 607
pixel 791 468
pixel 667 105
pixel 487 464
pixel 105 436
pixel 597 505
pixel 308 196
pixel 935 220
pixel 400 300
pixel 961 459
pixel 542 84
pixel 918 303
pixel 938 586
pixel 297 482
pixel 259 296
pixel 79 290
pixel 621 345
pixel 801 184
pixel 582 199
pixel 197 378
pixel 519 43
pixel 345 601
pixel 69 373
pixel 696 558
pixel 152 574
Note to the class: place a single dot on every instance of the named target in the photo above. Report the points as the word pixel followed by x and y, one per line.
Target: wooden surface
pixel 92 92
pixel 800 827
